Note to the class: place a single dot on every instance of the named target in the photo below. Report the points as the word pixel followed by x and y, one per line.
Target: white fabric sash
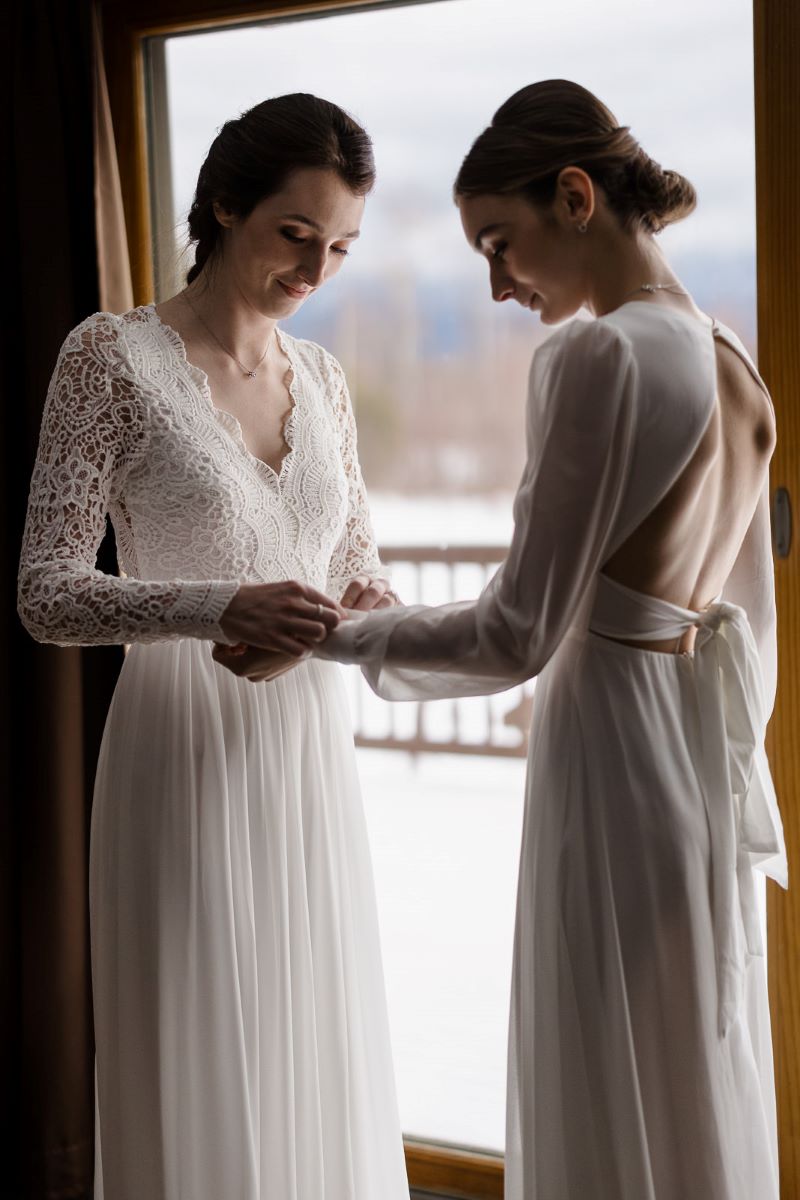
pixel 743 819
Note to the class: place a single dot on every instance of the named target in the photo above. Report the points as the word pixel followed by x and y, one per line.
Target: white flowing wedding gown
pixel 640 1063
pixel 242 1040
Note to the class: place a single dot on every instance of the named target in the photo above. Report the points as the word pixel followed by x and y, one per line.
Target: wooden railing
pixel 485 725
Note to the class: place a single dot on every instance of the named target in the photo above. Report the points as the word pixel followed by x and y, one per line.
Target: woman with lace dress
pixel 639 589
pixel 240 1021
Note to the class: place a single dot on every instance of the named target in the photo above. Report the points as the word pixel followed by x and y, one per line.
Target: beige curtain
pixel 113 263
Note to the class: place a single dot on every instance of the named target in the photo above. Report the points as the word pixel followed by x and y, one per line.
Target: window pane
pixel 437 374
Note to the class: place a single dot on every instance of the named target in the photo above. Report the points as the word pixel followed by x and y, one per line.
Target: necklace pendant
pixel 247 374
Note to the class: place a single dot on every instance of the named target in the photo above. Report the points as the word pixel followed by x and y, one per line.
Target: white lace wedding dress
pixel 640 1064
pixel 242 1040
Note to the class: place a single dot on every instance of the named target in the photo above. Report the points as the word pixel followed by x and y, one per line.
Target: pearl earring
pixel 584 225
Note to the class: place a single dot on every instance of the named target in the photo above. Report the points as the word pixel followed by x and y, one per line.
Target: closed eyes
pixel 297 240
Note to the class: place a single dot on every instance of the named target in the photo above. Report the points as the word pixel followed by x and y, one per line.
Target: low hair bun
pixel 659 197
pixel 554 124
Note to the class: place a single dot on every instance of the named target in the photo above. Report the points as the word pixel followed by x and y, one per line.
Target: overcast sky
pixel 425 79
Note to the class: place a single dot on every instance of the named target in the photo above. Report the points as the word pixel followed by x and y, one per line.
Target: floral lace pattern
pixel 129 429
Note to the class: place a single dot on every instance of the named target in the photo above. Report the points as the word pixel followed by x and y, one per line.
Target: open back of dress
pixel 639 1052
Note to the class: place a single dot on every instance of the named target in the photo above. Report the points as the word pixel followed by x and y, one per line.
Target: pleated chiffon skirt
pixel 242 1040
pixel 620 1087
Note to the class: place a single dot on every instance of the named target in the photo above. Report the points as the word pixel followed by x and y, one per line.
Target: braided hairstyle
pixel 548 126
pixel 252 156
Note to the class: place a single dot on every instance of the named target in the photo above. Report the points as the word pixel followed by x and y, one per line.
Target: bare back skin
pixel 685 549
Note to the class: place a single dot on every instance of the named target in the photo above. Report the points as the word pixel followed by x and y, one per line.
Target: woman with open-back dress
pixel 639 590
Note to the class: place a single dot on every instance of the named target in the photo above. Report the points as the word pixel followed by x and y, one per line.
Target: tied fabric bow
pixel 744 822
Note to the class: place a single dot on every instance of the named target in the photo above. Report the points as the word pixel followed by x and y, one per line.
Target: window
pixel 437 374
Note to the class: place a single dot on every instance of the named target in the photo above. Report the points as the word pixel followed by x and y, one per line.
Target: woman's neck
pixel 225 315
pixel 621 263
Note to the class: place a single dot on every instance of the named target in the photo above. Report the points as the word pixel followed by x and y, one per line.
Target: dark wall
pixel 54 700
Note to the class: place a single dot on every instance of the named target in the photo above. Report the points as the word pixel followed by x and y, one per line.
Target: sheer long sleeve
pixel 356 552
pixel 580 426
pixel 94 432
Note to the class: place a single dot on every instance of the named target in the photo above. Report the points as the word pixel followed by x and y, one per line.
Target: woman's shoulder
pixel 96 329
pixel 588 338
pixel 665 347
pixel 648 325
pixel 100 360
pixel 107 335
pixel 580 353
pixel 726 334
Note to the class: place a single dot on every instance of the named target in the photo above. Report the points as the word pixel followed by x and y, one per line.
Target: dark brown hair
pixel 547 126
pixel 252 156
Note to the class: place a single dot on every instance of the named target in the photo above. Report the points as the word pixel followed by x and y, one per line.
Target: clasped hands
pixel 276 625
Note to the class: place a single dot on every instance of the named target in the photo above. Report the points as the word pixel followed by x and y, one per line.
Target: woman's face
pixel 535 255
pixel 292 241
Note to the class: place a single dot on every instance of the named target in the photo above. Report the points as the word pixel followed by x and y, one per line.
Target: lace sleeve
pixel 356 552
pixel 94 430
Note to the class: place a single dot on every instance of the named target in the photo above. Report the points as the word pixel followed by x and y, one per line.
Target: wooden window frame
pixel 127 23
pixel 776 36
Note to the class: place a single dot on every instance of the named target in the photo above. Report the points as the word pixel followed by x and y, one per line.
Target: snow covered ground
pixel 441 520
pixel 445 833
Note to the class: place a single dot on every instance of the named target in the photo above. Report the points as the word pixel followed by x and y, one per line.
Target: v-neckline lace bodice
pixel 130 429
pixel 228 419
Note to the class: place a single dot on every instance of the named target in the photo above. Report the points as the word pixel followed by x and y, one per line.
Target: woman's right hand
pixel 287 618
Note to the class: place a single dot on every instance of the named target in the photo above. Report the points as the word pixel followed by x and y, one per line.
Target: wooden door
pixel 777 88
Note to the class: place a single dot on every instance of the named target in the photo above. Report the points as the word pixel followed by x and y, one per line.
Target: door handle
pixel 781 521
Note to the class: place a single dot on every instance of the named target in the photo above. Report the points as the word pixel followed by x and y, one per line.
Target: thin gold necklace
pixel 656 287
pixel 248 373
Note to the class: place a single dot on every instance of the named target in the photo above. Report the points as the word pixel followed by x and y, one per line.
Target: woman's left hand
pixel 364 593
pixel 250 662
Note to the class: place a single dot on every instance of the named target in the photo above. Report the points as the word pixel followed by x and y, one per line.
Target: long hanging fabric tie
pixel 741 808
